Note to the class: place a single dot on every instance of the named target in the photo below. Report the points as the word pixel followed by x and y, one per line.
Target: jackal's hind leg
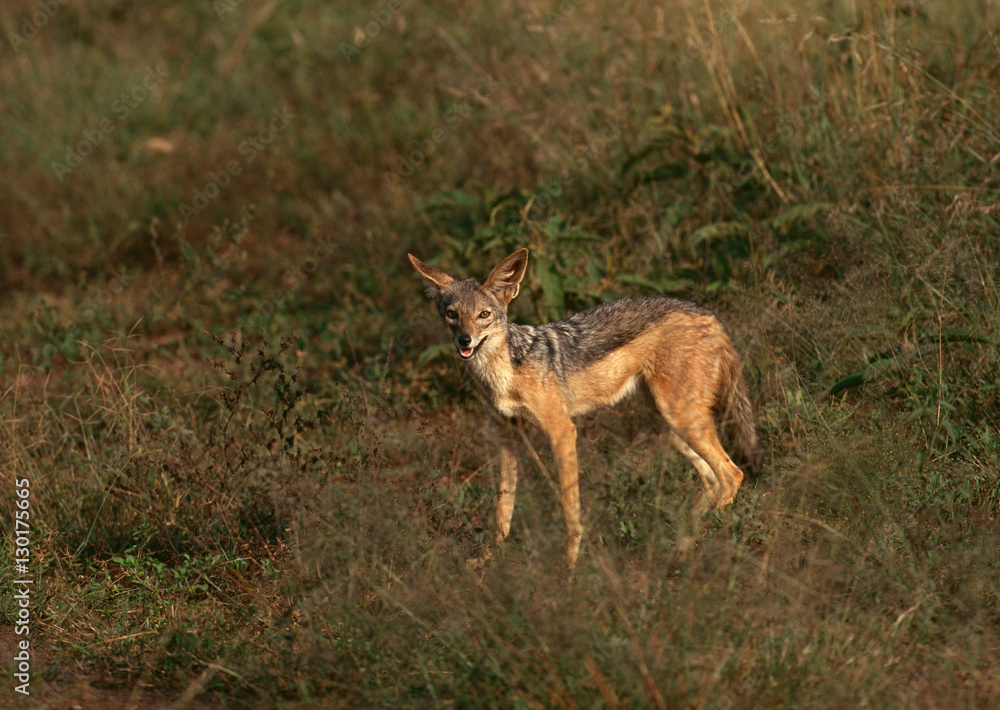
pixel 711 492
pixel 688 415
pixel 702 438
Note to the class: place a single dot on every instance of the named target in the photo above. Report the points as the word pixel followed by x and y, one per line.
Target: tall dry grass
pixel 258 478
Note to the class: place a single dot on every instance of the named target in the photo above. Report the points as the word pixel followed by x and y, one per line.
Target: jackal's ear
pixel 434 279
pixel 505 279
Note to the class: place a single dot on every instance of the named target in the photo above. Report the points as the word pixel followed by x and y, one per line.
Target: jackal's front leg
pixel 508 480
pixel 562 434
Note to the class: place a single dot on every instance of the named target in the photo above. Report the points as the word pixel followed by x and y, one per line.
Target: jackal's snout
pixel 464 343
pixel 466 347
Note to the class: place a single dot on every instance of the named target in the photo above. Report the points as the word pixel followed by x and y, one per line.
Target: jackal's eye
pixel 484 314
pixel 451 314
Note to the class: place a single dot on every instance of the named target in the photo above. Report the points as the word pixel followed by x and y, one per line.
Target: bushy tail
pixel 737 412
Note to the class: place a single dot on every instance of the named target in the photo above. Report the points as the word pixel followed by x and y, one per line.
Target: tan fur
pixel 680 355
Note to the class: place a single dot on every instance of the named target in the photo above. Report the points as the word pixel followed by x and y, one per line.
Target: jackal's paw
pixel 702 506
pixel 685 545
pixel 478 564
pixel 728 497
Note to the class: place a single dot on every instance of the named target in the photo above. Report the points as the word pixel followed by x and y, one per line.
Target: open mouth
pixel 468 353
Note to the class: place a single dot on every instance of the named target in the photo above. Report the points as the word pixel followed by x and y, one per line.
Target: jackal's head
pixel 475 311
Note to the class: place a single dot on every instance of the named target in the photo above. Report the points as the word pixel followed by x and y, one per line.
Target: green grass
pixel 256 476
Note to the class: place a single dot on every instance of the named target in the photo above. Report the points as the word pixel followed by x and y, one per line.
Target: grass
pixel 256 474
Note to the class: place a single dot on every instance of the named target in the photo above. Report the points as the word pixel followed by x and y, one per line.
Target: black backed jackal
pixel 676 351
